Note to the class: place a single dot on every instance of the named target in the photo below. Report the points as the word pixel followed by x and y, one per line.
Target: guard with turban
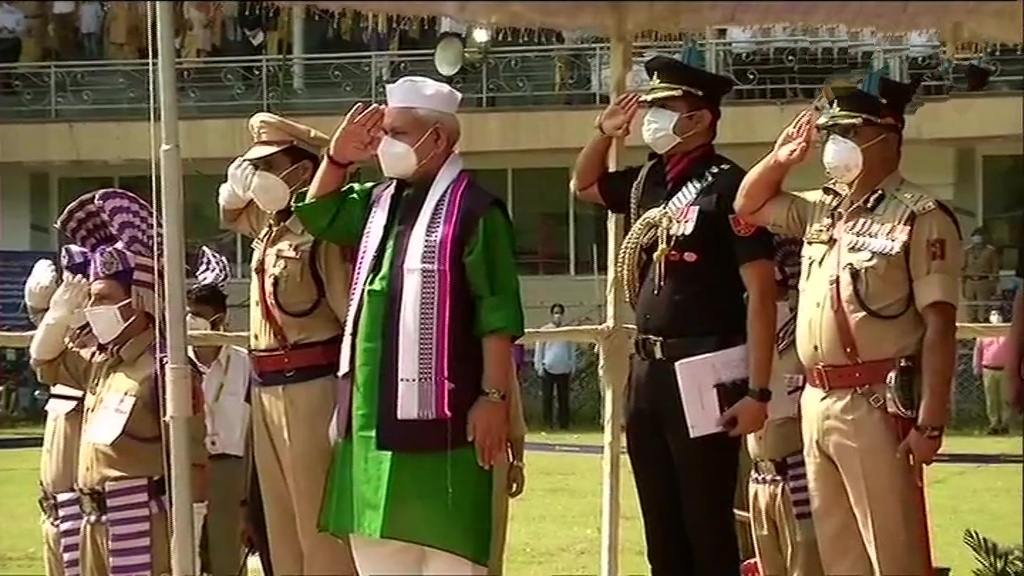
pixel 225 371
pixel 121 458
pixel 59 502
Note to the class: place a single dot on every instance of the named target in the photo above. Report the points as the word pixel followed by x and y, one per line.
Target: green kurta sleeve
pixel 490 260
pixel 337 218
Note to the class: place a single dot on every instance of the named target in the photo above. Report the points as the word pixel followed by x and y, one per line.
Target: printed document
pixel 698 377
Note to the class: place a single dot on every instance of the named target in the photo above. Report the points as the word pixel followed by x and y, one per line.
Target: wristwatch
pixel 930 432
pixel 763 395
pixel 493 395
pixel 597 125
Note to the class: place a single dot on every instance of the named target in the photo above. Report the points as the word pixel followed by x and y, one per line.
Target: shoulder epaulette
pixel 915 198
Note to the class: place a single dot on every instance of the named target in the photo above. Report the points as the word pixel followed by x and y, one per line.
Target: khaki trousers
pixel 978 295
pixel 781 549
pixel 293 452
pixel 51 548
pixel 998 398
pixel 95 556
pixel 224 514
pixel 866 512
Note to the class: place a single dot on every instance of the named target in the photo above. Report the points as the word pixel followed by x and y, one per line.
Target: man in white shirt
pixel 62 29
pixel 555 363
pixel 225 389
pixel 90 25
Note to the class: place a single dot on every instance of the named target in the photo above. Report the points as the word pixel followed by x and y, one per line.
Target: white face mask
pixel 658 129
pixel 197 323
pixel 842 159
pixel 397 159
pixel 106 322
pixel 995 319
pixel 270 192
pixel 977 239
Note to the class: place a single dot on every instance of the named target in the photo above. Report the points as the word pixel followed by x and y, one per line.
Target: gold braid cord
pixel 650 228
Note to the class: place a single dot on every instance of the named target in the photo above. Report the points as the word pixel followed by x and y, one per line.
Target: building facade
pixel 73 127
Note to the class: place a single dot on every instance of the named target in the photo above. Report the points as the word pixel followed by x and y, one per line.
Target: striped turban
pixel 213 269
pixel 75 259
pixel 119 230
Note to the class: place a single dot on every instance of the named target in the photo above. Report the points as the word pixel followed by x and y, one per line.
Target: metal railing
pixel 969 406
pixel 778 69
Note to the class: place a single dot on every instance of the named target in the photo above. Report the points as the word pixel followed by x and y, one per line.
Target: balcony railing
pixel 500 78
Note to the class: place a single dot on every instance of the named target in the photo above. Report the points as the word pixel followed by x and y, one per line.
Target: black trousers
pixel 686 486
pixel 556 387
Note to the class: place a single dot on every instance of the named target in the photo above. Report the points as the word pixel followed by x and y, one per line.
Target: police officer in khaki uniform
pixel 120 479
pixel 299 297
pixel 59 458
pixel 981 275
pixel 780 507
pixel 876 324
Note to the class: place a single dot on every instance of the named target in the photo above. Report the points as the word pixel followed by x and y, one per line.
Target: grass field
pixel 555 526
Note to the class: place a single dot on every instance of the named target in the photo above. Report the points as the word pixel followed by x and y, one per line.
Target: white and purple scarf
pixel 424 307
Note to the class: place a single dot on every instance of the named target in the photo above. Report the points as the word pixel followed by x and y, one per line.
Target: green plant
pixel 993 559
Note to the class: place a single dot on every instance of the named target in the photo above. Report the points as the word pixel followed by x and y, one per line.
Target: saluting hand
pixel 744 417
pixel 918 450
pixel 487 429
pixel 795 141
pixel 617 117
pixel 357 137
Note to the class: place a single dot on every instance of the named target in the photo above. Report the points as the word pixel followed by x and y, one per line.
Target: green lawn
pixel 556 524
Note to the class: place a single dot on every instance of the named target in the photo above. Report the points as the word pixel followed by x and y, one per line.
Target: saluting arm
pixel 338 218
pixel 238 212
pixel 762 183
pixel 591 165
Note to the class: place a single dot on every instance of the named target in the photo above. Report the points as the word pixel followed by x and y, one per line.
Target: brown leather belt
pixel 850 376
pixel 297 357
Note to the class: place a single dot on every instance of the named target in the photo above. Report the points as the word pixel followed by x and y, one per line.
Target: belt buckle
pixel 657 347
pixel 821 376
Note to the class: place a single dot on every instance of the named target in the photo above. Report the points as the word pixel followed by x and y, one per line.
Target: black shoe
pixel 993 431
pixel 1003 430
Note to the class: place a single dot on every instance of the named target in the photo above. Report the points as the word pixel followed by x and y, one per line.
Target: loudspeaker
pixel 449 54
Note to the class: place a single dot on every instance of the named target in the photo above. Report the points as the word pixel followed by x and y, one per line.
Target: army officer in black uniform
pixel 686 264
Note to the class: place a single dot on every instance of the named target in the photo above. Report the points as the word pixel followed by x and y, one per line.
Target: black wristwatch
pixel 763 395
pixel 930 432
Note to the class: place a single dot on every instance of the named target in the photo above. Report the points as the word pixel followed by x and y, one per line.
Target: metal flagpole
pixel 178 375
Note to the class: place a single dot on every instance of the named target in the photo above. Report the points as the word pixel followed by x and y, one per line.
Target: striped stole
pixel 129 517
pixel 799 494
pixel 69 526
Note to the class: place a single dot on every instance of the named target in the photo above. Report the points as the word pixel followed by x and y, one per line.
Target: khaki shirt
pixel 59 460
pixel 288 249
pixel 981 261
pixel 122 428
pixel 876 237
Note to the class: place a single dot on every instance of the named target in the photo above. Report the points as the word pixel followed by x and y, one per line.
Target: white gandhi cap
pixel 423 93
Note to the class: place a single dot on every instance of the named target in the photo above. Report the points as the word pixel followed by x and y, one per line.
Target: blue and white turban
pixel 213 269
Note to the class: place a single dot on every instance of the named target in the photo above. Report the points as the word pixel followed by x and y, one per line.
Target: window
pixel 1002 204
pixel 70 188
pixel 540 210
pixel 591 239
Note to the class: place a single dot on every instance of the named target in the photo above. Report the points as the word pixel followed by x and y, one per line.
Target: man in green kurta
pixel 426 368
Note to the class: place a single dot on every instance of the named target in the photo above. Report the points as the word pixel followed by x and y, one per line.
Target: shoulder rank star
pixel 740 226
